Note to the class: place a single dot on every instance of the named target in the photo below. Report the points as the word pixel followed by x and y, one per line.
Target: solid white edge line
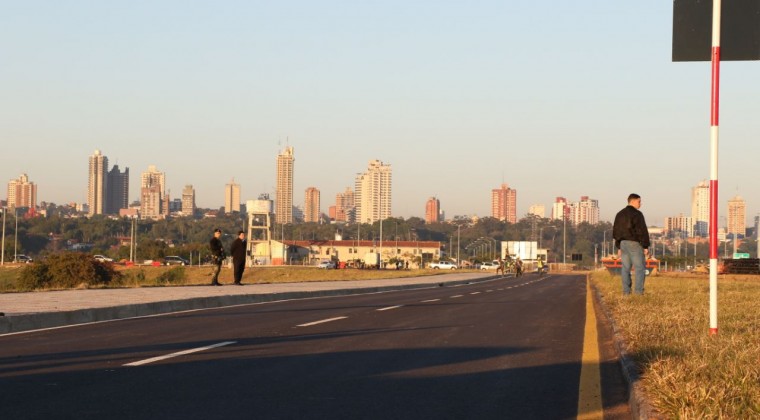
pixel 179 353
pixel 389 308
pixel 309 324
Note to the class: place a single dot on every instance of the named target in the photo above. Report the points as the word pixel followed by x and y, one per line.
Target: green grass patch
pixel 686 372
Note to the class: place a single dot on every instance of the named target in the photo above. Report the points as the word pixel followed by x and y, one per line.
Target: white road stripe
pixel 456 296
pixel 322 321
pixel 489 291
pixel 475 293
pixel 389 308
pixel 430 300
pixel 179 353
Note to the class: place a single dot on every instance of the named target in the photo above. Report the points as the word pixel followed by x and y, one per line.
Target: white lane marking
pixel 489 291
pixel 475 293
pixel 309 324
pixel 179 353
pixel 430 300
pixel 389 308
pixel 456 296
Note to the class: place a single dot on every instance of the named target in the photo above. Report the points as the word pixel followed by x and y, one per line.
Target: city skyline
pixel 427 88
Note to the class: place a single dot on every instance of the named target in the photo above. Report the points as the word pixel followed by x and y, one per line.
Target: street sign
pixel 740 255
pixel 739 33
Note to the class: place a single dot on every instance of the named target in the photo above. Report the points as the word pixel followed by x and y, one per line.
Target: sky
pixel 555 99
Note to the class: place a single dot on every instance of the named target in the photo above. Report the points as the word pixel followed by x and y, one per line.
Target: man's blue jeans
pixel 632 255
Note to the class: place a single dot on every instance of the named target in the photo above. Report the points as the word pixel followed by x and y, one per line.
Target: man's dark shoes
pixel 216 284
pixel 237 283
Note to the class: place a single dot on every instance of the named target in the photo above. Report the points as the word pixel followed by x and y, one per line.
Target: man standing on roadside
pixel 217 256
pixel 237 250
pixel 632 242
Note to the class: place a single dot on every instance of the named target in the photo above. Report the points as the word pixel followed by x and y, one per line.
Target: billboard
pixel 526 250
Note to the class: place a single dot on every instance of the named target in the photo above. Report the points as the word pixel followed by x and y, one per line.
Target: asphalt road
pixel 507 348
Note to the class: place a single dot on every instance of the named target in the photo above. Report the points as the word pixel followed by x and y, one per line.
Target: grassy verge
pixel 182 276
pixel 686 372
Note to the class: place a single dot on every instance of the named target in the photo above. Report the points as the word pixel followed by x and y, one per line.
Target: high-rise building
pixel 97 182
pixel 560 209
pixel 153 198
pixel 373 193
pixel 584 211
pixel 700 208
pixel 311 205
pixel 344 206
pixel 188 200
pixel 117 190
pixel 22 193
pixel 504 203
pixel 433 210
pixel 538 210
pixel 737 217
pixel 232 197
pixel 679 225
pixel 284 197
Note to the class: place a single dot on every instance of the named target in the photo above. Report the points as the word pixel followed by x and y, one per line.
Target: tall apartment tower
pixel 373 193
pixel 188 200
pixel 232 197
pixel 584 211
pixel 345 206
pixel 700 208
pixel 679 224
pixel 153 198
pixel 433 210
pixel 117 190
pixel 22 193
pixel 560 209
pixel 538 210
pixel 737 217
pixel 284 197
pixel 97 183
pixel 504 203
pixel 311 205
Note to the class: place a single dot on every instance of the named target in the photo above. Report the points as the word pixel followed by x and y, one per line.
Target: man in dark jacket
pixel 237 250
pixel 632 242
pixel 217 256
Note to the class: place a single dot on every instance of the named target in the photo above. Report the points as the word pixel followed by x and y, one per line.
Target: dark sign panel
pixel 739 32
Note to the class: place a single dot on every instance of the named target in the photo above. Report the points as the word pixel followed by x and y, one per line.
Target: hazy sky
pixel 554 98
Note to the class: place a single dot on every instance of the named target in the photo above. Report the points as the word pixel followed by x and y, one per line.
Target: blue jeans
pixel 632 255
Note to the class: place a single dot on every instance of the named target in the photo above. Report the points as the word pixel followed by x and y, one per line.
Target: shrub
pixel 67 270
pixel 174 275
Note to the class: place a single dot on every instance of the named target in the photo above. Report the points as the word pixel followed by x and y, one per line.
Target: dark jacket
pixel 630 226
pixel 237 250
pixel 217 250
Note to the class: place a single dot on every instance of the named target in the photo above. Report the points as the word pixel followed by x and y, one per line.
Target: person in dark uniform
pixel 237 250
pixel 217 256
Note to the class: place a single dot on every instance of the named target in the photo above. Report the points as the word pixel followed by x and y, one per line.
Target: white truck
pixel 443 265
pixel 371 260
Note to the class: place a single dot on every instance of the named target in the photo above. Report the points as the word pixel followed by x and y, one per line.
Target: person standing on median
pixel 217 256
pixel 632 242
pixel 237 250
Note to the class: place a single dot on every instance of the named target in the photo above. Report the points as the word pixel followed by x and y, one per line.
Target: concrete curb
pixel 637 399
pixel 36 321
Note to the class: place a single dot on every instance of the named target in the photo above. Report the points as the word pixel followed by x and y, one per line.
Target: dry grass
pixel 686 372
pixel 182 276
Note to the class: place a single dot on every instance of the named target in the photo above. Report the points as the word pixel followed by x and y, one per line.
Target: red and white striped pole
pixel 714 101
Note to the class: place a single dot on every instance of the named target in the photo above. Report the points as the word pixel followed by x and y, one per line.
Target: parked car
pixel 102 258
pixel 489 265
pixel 23 259
pixel 175 260
pixel 443 265
pixel 326 264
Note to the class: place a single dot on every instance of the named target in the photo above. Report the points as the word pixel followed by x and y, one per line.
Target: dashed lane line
pixel 456 296
pixel 309 324
pixel 475 293
pixel 430 300
pixel 389 308
pixel 179 353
